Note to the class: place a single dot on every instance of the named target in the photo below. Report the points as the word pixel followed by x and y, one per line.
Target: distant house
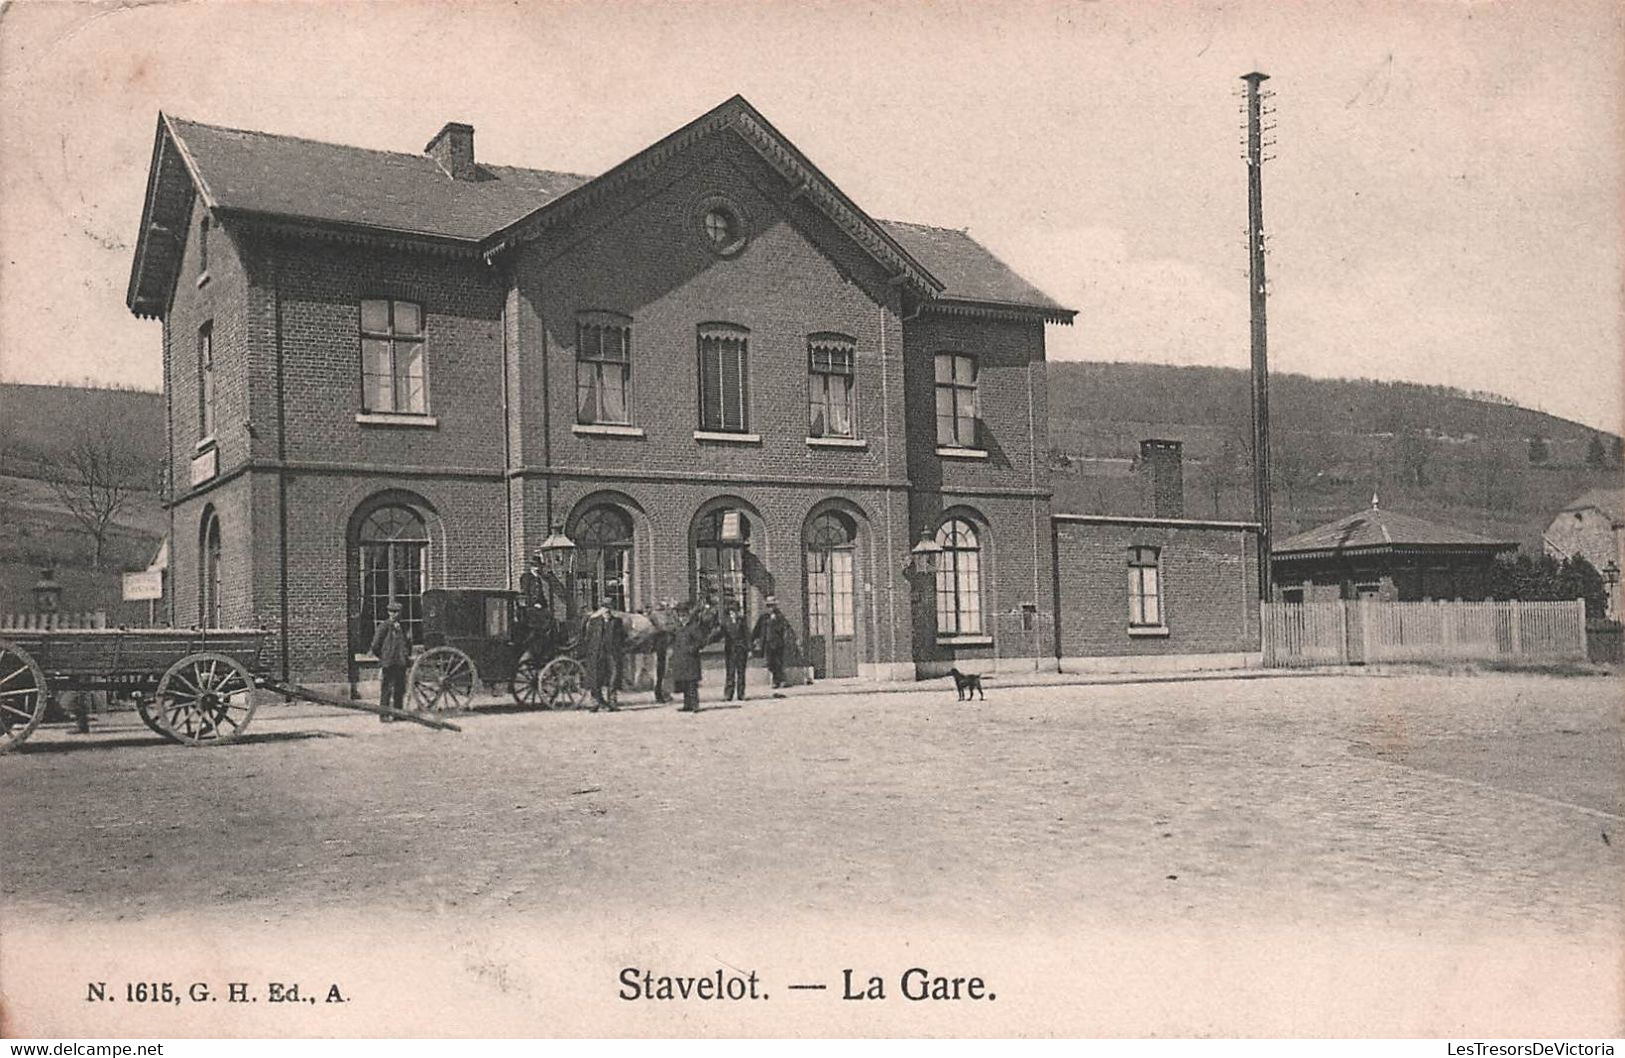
pixel 1593 527
pixel 1384 555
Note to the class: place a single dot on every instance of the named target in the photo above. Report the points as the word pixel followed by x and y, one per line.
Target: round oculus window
pixel 722 226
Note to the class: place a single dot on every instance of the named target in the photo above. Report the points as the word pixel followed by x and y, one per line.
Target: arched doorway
pixel 726 566
pixel 832 645
pixel 603 539
pixel 392 552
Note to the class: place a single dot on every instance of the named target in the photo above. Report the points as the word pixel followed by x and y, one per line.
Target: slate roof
pixel 290 178
pixel 1379 530
pixel 968 270
pixel 1609 501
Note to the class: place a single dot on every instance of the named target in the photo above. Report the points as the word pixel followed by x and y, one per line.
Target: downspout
pixel 1055 585
pixel 1032 479
pixel 282 484
pixel 885 451
pixel 508 296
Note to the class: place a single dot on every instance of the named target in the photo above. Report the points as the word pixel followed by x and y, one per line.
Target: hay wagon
pixel 195 687
pixel 192 687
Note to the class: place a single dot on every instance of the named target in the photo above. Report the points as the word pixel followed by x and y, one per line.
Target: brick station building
pixel 387 372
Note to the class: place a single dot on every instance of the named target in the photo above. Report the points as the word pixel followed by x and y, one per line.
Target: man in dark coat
pixel 684 664
pixel 532 586
pixel 603 639
pixel 772 633
pixel 393 649
pixel 735 650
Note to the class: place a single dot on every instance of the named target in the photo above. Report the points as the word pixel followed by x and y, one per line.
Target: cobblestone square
pixel 1437 810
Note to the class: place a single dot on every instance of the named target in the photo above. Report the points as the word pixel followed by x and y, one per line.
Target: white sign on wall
pixel 145 584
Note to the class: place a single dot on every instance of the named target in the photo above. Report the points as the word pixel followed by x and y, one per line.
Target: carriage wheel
pixel 442 680
pixel 204 699
pixel 563 684
pixel 525 686
pixel 22 695
pixel 144 707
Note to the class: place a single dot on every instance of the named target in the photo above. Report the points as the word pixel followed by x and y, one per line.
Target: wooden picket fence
pixel 28 622
pixel 1355 632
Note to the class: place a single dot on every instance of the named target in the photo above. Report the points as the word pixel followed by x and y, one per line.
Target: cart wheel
pixel 442 680
pixel 525 685
pixel 204 699
pixel 563 684
pixel 144 707
pixel 22 695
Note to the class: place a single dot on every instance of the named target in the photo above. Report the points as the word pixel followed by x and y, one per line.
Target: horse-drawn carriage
pixel 476 636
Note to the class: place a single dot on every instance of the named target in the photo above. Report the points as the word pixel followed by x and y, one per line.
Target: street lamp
pixel 924 554
pixel 558 553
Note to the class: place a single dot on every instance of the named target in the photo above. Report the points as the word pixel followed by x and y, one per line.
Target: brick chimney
pixel 1163 466
pixel 453 150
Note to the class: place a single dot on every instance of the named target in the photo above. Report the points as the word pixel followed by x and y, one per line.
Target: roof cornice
pixel 998 310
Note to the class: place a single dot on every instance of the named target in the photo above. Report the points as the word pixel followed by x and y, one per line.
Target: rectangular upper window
pixel 205 380
pixel 724 378
pixel 956 400
pixel 831 385
pixel 203 246
pixel 394 373
pixel 1144 587
pixel 603 369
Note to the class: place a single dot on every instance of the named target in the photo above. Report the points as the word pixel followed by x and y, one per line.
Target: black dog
pixel 967 684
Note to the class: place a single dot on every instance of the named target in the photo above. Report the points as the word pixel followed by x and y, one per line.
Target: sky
pixel 1444 205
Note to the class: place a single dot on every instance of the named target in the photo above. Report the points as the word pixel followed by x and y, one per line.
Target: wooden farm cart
pixel 195 687
pixel 484 635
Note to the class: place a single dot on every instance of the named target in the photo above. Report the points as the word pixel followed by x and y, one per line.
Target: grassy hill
pixel 38 425
pixel 1479 463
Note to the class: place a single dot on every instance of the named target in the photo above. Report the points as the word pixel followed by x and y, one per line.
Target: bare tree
pixel 94 479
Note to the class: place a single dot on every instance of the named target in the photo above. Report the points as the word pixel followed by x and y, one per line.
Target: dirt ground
pixel 1427 807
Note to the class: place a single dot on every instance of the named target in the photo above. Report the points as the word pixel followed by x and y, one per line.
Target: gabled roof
pixel 1374 531
pixel 1610 502
pixel 341 191
pixel 255 172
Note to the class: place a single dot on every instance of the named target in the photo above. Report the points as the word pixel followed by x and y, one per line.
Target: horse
pixel 649 635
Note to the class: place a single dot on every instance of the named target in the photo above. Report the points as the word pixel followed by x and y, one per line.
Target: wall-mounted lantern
pixel 924 555
pixel 558 554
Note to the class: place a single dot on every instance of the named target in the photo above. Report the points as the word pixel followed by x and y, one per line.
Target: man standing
pixel 602 640
pixel 686 643
pixel 772 632
pixel 393 650
pixel 735 650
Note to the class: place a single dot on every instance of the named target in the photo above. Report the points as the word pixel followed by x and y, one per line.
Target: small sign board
pixel 205 466
pixel 144 584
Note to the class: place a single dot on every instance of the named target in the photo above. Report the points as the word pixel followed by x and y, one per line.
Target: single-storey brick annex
pixel 709 367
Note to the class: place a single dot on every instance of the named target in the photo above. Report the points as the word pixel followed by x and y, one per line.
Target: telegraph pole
pixel 1256 296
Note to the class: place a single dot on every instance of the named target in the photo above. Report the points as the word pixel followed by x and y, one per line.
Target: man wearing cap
pixel 393 649
pixel 603 638
pixel 772 633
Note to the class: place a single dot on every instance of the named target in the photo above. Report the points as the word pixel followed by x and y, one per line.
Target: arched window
pixel 393 547
pixel 603 539
pixel 721 551
pixel 210 611
pixel 959 579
